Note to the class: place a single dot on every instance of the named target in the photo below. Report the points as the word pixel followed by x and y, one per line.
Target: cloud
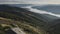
pixel 31 1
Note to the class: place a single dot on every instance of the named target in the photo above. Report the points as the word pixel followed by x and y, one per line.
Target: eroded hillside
pixel 25 27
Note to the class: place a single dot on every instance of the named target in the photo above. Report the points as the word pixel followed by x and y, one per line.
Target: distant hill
pixel 20 5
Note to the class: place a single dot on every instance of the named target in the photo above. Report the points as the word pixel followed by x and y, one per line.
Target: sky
pixel 30 1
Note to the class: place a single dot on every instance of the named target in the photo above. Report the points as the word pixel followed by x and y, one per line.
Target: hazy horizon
pixel 29 1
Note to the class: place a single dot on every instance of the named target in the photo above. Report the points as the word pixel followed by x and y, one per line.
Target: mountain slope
pixel 29 22
pixel 21 17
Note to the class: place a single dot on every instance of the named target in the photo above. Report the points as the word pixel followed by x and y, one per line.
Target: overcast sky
pixel 31 1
